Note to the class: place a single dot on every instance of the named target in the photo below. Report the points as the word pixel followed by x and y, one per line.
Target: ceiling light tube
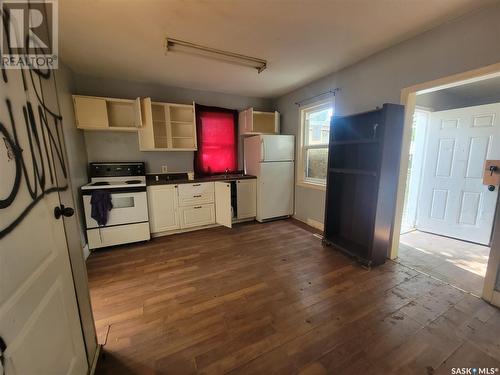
pixel 181 45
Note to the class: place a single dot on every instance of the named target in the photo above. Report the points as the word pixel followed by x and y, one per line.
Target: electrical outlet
pixel 164 168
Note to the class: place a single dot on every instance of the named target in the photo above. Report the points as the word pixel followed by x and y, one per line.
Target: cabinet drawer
pixel 197 215
pixel 196 188
pixel 196 194
pixel 196 199
pixel 119 234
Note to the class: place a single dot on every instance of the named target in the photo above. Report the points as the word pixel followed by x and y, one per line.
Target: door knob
pixel 3 347
pixel 491 187
pixel 63 211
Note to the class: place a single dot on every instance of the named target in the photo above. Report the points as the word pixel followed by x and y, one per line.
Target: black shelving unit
pixel 363 172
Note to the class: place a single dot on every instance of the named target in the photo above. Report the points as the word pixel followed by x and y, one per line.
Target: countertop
pixel 182 178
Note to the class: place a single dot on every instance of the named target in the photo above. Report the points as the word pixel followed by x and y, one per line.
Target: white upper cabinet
pixel 253 122
pixel 167 127
pixel 90 113
pixel 96 113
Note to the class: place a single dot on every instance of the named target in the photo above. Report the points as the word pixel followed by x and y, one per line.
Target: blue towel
pixel 101 205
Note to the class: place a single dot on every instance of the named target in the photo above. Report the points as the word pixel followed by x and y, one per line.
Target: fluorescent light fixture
pixel 217 54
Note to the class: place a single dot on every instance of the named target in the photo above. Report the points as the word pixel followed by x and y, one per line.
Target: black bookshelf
pixel 363 172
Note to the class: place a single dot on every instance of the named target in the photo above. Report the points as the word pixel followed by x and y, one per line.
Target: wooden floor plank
pixel 269 298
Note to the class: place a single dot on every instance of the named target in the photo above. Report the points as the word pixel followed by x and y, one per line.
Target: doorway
pixel 448 213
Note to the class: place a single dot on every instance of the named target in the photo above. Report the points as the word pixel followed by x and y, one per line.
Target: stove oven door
pixel 128 207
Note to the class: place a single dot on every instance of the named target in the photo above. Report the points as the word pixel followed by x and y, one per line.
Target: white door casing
pixel 39 318
pixel 453 200
pixel 417 151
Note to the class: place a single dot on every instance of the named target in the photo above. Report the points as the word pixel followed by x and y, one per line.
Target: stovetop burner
pixel 133 182
pixel 100 183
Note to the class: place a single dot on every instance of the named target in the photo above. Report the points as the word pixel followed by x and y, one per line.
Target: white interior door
pixel 453 200
pixel 39 318
pixel 223 215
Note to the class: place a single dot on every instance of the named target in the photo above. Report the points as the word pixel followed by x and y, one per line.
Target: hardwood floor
pixel 459 263
pixel 269 298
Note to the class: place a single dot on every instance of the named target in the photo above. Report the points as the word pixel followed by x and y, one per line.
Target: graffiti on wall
pixel 32 158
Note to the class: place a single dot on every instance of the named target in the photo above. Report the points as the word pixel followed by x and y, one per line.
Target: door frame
pixel 417 181
pixel 408 99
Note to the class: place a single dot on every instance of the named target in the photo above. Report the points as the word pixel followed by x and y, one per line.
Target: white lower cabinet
pixel 246 198
pixel 163 208
pixel 223 212
pixel 197 216
pixel 186 206
pixel 235 200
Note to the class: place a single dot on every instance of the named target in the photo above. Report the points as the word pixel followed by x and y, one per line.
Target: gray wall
pixel 483 100
pixel 74 225
pixel 75 143
pixel 114 146
pixel 442 101
pixel 464 44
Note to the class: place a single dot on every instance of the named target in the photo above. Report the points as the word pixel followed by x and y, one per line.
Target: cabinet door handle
pixel 196 196
pixel 196 207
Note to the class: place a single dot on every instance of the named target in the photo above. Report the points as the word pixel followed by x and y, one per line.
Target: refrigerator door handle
pixel 263 149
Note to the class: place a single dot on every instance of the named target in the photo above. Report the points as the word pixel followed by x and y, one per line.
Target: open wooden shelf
pixel 182 122
pixel 168 127
pixel 353 171
pixel 363 170
pixel 355 142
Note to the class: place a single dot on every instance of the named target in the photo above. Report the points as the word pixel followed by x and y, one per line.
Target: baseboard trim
pixel 317 228
pixel 95 360
pixel 86 252
pixel 315 224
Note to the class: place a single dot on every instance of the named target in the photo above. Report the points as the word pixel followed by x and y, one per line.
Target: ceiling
pixel 302 40
pixel 487 88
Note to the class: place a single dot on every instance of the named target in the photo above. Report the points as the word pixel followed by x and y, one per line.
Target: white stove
pixel 115 183
pixel 128 220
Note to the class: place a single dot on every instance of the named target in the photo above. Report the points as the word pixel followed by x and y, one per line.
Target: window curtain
pixel 216 131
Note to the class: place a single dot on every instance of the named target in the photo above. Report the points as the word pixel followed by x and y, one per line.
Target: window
pixel 217 147
pixel 315 135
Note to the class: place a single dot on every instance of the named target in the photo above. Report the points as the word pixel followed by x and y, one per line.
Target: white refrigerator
pixel 271 159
